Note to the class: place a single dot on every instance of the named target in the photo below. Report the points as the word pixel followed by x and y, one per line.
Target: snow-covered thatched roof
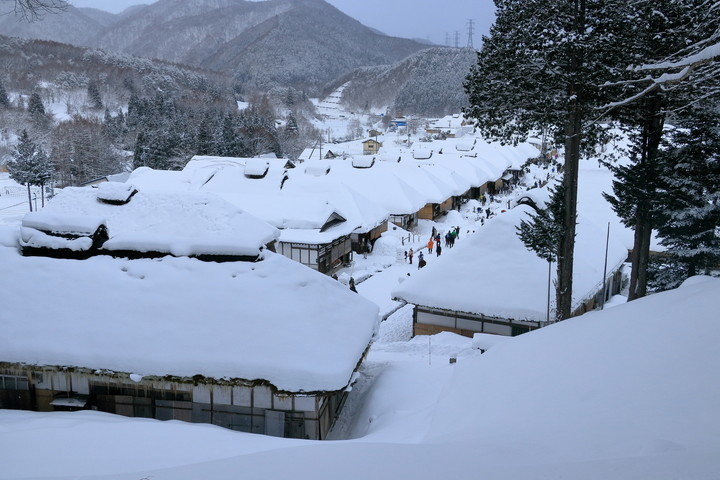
pixel 175 223
pixel 273 320
pixel 492 273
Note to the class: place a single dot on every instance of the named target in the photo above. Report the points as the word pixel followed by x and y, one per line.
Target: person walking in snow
pixel 430 245
pixel 351 283
pixel 438 249
pixel 421 260
pixel 410 255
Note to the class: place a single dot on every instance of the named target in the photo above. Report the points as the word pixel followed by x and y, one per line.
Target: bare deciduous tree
pixel 32 10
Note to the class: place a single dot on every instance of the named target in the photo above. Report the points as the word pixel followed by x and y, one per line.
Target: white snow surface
pixel 71 224
pixel 178 223
pixel 623 393
pixel 274 319
pixel 492 273
pixel 115 191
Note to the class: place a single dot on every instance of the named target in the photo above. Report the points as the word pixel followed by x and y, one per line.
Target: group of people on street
pixel 435 242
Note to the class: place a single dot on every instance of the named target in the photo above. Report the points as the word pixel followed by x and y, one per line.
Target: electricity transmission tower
pixel 470 25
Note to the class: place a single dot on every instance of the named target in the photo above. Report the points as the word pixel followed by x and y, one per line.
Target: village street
pixel 377 275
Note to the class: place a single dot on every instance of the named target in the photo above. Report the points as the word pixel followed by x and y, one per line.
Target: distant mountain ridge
pixel 429 82
pixel 299 43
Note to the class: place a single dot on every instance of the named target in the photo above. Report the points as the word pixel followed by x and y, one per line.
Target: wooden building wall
pixel 252 408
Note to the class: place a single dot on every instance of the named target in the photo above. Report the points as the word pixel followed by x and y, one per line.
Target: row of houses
pixel 172 305
pixel 169 296
pixel 512 291
pixel 326 210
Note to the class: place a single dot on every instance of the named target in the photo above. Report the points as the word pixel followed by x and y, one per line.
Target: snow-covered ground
pixel 623 394
pixel 14 200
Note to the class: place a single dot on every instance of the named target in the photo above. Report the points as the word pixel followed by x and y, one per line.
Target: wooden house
pixel 311 230
pixel 123 221
pixel 182 339
pixel 374 133
pixel 371 146
pixel 510 294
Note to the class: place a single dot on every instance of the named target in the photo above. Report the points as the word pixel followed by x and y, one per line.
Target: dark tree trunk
pixel 651 137
pixel 29 197
pixel 573 133
pixel 635 261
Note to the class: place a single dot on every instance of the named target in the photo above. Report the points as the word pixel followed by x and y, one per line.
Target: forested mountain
pixel 75 26
pixel 32 64
pixel 299 43
pixel 429 82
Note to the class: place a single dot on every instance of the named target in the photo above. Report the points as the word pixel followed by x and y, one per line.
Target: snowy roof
pixel 363 161
pixel 360 211
pixel 67 224
pixel 115 192
pixel 181 223
pixel 302 216
pixel 385 184
pixel 422 153
pixel 184 317
pixel 317 169
pixel 492 273
pixel 256 167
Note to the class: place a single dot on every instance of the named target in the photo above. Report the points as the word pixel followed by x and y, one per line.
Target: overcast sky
pixel 434 20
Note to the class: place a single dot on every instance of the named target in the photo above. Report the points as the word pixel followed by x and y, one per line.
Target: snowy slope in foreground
pixel 626 393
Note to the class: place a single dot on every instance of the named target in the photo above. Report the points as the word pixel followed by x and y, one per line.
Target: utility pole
pixel 457 39
pixel 471 25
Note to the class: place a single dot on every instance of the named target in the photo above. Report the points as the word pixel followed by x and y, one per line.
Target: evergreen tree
pixel 204 142
pixel 229 142
pixel 139 152
pixel 660 28
pixel 540 69
pixel 545 230
pixel 136 110
pixel 29 165
pixel 93 95
pixel 690 217
pixel 4 100
pixel 35 105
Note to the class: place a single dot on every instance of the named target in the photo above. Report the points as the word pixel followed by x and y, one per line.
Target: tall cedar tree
pixel 540 70
pixel 4 100
pixel 29 165
pixel 689 224
pixel 35 105
pixel 93 95
pixel 661 28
